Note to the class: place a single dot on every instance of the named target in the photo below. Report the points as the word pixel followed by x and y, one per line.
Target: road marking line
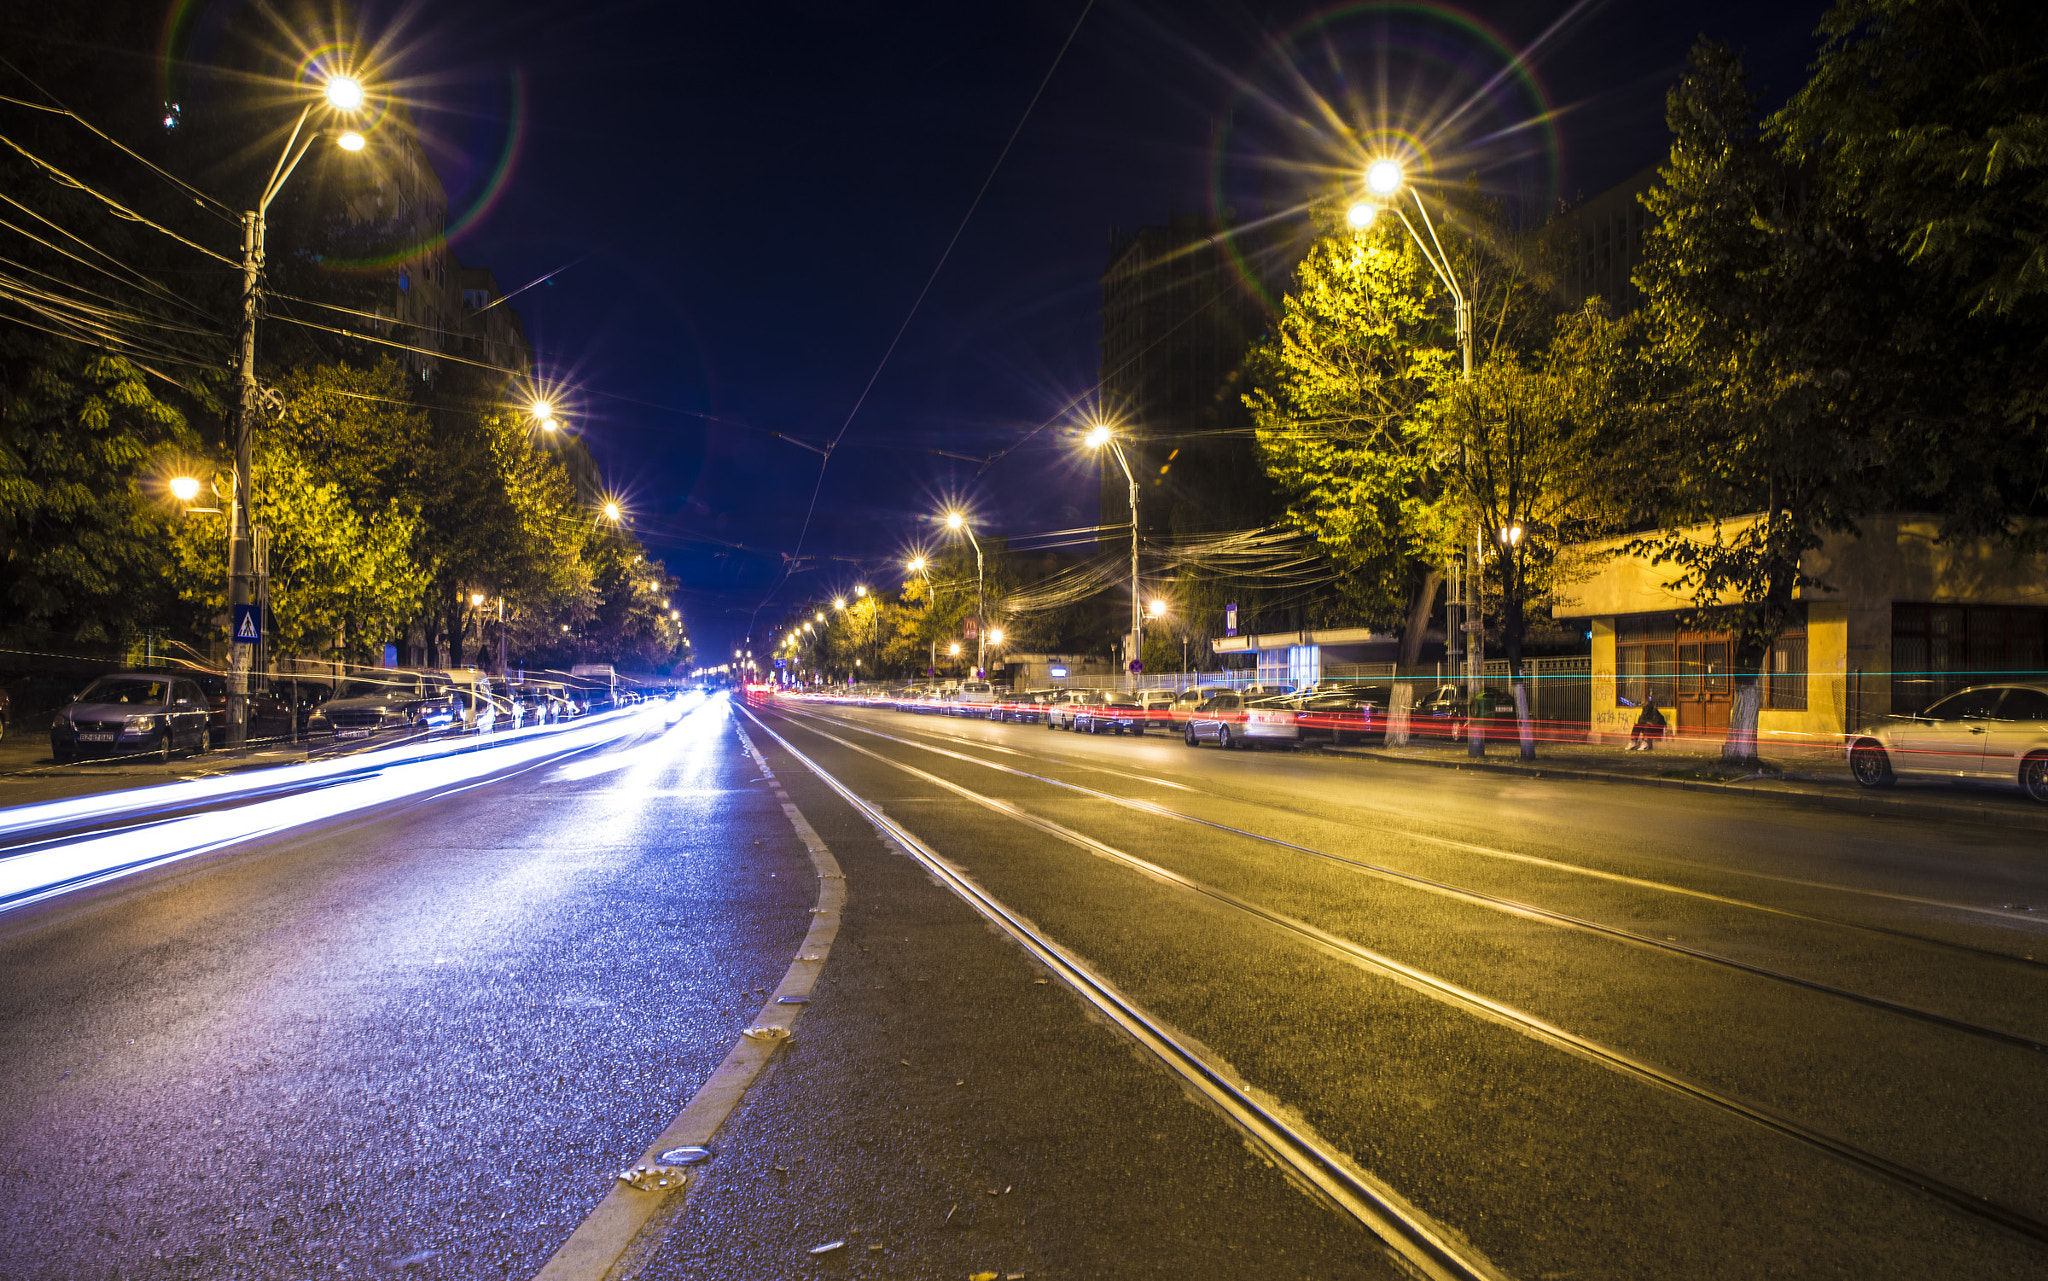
pixel 1412 1237
pixel 617 1224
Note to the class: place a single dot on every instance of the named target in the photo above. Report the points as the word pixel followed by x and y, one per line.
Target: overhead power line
pixel 119 208
pixel 199 197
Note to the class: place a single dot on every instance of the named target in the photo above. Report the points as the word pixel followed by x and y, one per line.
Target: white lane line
pixel 2005 916
pixel 617 1227
pixel 1409 1234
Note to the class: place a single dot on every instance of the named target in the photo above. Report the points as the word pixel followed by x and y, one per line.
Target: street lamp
pixel 611 512
pixel 1385 178
pixel 956 521
pixel 859 590
pixel 184 488
pixel 839 602
pixel 1097 438
pixel 340 94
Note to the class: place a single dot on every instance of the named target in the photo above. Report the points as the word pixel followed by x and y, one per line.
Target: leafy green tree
pixel 87 447
pixel 1341 396
pixel 340 583
pixel 1536 453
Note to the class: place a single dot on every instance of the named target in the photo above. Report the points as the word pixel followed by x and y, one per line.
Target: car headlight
pixel 62 722
pixel 141 722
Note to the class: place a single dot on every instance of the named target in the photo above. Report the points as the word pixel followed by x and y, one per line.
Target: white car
pixel 974 698
pixel 1987 733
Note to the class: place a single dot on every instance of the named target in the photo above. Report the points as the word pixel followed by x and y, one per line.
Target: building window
pixel 1644 660
pixel 1787 676
pixel 1304 665
pixel 1938 649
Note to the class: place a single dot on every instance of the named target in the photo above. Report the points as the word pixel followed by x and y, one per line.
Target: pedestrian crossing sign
pixel 248 625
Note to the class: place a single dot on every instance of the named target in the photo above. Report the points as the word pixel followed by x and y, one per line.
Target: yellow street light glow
pixel 840 603
pixel 1361 214
pixel 1384 176
pixel 995 636
pixel 1099 437
pixel 345 93
pixel 184 489
pixel 476 598
pixel 859 590
pixel 543 410
pixel 548 424
pixel 955 520
pixel 807 627
pixel 350 141
pixel 821 615
pixel 917 564
pixel 954 649
pixel 611 511
pixel 1158 608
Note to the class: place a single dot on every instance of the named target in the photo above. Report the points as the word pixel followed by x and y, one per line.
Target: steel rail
pixel 1443 990
pixel 1407 1233
pixel 1574 869
pixel 1513 907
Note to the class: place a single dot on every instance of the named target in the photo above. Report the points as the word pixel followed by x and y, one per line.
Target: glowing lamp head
pixel 1360 215
pixel 839 603
pixel 184 489
pixel 345 93
pixel 1098 437
pixel 476 598
pixel 548 424
pixel 1157 609
pixel 543 410
pixel 955 520
pixel 995 636
pixel 1384 177
pixel 954 649
pixel 1511 535
pixel 859 590
pixel 611 511
pixel 350 141
pixel 917 564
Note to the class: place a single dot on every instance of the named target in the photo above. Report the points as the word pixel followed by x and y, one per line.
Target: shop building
pixel 1897 619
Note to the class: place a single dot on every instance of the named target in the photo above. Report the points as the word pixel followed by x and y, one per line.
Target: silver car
pixel 131 712
pixel 1987 733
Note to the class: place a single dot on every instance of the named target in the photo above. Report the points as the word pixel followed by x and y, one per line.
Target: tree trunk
pixel 1740 745
pixel 1418 618
pixel 1522 725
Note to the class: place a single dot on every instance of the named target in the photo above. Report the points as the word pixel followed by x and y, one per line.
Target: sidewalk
pixel 1799 776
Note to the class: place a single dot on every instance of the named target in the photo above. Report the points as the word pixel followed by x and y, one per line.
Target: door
pixel 2019 727
pixel 1705 692
pixel 1947 740
pixel 189 714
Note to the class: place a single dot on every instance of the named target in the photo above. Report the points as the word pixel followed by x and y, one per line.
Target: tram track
pixel 1450 993
pixel 2003 917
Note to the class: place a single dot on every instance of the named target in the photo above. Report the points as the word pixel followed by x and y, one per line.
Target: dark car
pixel 1028 708
pixel 132 712
pixel 388 701
pixel 1117 713
pixel 1442 713
pixel 1350 714
pixel 271 711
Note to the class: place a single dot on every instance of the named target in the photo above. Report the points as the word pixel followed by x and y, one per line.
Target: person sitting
pixel 1649 727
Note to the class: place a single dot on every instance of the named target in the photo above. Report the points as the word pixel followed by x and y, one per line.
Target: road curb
pixel 615 1232
pixel 1870 805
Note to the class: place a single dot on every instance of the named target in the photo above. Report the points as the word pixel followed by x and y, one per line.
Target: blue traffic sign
pixel 248 625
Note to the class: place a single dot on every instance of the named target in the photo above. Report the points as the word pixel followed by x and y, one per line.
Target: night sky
pixel 753 195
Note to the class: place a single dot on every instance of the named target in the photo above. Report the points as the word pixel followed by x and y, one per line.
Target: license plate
pixel 95 738
pixel 351 733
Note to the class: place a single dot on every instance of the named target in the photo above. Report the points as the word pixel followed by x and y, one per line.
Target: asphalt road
pixel 1584 1030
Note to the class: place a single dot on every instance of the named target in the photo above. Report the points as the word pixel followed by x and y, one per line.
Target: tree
pixel 86 448
pixel 1340 396
pixel 339 582
pixel 1791 360
pixel 1536 453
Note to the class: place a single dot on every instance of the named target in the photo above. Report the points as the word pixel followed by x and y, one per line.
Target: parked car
pixel 1059 714
pixel 1028 708
pixel 271 711
pixel 974 698
pixel 1117 713
pixel 389 701
pixel 1987 733
pixel 130 712
pixel 1175 717
pixel 1238 720
pixel 1349 714
pixel 535 706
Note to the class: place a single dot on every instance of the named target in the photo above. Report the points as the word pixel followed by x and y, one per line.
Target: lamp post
pixel 1097 438
pixel 917 565
pixel 954 520
pixel 1385 178
pixel 341 94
